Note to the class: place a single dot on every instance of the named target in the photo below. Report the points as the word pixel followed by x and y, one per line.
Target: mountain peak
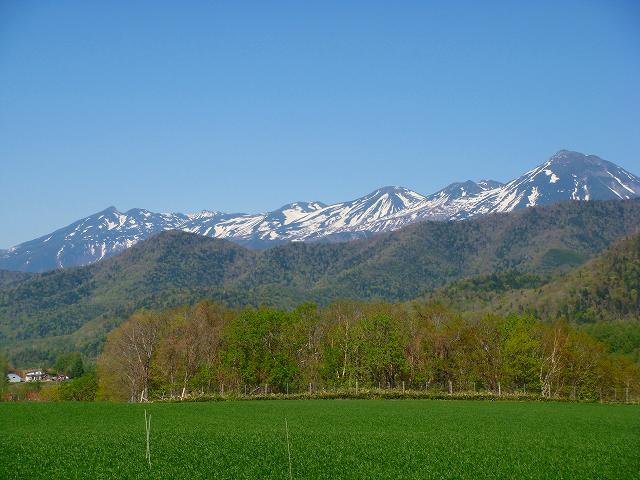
pixel 389 189
pixel 567 155
pixel 110 209
pixel 563 152
pixel 399 197
pixel 569 158
pixel 580 164
pixel 203 214
pixel 460 189
pixel 303 206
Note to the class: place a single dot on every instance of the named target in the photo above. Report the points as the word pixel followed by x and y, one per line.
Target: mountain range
pixel 565 176
pixel 73 308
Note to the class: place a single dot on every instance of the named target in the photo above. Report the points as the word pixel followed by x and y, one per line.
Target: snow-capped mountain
pixel 90 239
pixel 565 176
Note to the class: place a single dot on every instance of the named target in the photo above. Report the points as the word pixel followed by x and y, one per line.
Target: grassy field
pixel 329 439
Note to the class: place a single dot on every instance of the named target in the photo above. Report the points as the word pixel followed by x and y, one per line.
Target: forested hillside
pixel 74 308
pixel 10 278
pixel 603 296
pixel 606 288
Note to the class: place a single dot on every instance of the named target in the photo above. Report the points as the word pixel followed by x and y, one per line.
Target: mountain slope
pixel 602 296
pixel 78 305
pixel 606 288
pixel 565 176
pixel 9 278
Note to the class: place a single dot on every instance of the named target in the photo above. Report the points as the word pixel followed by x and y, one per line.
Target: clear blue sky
pixel 245 106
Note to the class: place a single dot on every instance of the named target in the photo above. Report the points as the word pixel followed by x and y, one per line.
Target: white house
pixel 14 378
pixel 34 376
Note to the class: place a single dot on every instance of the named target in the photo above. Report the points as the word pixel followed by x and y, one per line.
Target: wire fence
pixel 619 394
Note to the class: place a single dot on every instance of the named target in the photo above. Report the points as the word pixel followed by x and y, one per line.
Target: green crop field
pixel 328 439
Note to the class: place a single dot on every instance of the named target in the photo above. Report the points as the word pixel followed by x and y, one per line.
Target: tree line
pixel 208 349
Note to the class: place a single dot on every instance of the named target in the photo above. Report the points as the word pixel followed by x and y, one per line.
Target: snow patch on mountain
pixel 553 177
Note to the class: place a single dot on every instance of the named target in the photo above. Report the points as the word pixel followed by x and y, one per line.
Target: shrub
pixel 80 389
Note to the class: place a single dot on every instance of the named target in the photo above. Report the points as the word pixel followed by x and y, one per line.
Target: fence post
pixel 626 395
pixel 450 387
pixel 403 386
pixel 499 389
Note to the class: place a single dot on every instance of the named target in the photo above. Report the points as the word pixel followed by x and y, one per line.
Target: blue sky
pixel 245 106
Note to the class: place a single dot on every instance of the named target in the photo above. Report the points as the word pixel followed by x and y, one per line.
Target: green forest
pixel 209 350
